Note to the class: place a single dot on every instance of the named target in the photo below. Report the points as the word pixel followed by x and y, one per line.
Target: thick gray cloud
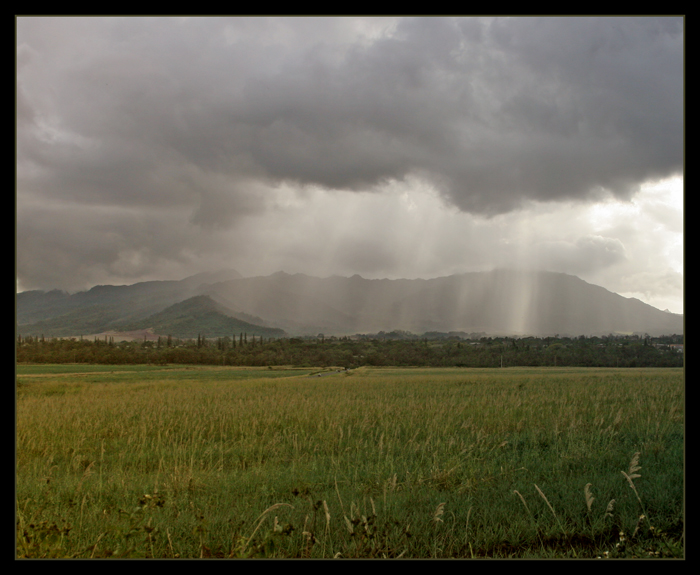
pixel 208 118
pixel 492 110
pixel 585 255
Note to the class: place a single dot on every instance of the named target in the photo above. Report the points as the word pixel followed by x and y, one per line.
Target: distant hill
pixel 500 302
pixel 197 281
pixel 34 306
pixel 200 315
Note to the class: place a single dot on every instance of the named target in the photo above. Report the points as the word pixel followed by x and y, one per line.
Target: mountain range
pixel 498 302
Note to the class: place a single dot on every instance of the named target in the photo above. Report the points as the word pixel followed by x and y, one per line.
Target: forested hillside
pixel 199 314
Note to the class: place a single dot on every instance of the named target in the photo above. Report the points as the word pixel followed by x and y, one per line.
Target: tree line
pixel 394 349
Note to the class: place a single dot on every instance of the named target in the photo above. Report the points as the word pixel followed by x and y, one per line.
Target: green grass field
pixel 414 463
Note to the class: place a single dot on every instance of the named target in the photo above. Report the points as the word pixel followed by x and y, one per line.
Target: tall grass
pixel 375 463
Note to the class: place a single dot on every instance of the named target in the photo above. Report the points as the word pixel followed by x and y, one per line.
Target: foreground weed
pixel 551 509
pixel 648 542
pixel 634 467
pixel 135 534
pixel 259 523
pixel 642 540
pixel 43 540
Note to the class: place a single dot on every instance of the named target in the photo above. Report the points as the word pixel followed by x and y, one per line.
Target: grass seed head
pixel 609 508
pixel 328 513
pixel 521 499
pixel 634 465
pixel 589 496
pixel 438 513
pixel 546 501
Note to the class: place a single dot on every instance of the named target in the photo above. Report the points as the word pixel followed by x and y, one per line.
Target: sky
pixel 389 147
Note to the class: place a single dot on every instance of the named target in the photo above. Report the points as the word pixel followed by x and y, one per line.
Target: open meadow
pixel 189 462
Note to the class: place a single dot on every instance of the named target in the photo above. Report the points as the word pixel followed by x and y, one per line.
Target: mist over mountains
pixel 499 302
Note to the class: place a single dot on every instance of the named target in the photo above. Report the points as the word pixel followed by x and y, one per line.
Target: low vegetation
pixel 382 349
pixel 188 462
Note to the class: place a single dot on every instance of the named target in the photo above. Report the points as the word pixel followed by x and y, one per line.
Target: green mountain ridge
pixel 139 306
pixel 200 315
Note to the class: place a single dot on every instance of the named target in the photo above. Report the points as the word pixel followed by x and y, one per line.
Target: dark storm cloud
pixel 492 111
pixel 59 248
